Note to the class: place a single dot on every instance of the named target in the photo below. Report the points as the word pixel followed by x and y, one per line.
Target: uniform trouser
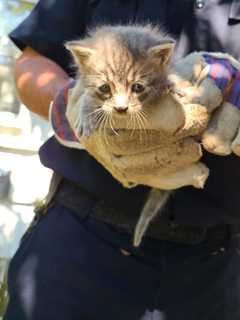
pixel 72 269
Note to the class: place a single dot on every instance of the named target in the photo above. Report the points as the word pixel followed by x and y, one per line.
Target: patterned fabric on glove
pixel 59 121
pixel 212 79
pixel 223 136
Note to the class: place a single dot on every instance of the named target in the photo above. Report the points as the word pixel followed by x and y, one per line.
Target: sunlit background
pixel 23 181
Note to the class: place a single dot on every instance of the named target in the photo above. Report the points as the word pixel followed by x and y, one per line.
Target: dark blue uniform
pixel 71 265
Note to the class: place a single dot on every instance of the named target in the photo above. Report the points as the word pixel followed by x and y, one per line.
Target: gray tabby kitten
pixel 122 70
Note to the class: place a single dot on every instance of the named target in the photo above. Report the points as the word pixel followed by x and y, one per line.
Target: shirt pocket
pixel 111 12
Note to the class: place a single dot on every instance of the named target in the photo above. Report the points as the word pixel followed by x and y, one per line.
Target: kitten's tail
pixel 155 202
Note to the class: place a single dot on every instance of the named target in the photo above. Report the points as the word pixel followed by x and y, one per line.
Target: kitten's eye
pixel 138 88
pixel 105 88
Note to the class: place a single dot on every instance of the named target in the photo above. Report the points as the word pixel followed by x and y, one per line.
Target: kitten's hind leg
pixel 155 202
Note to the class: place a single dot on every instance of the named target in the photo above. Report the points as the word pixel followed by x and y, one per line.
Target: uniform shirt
pixel 210 25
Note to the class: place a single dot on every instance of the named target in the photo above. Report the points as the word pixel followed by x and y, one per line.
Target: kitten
pixel 122 70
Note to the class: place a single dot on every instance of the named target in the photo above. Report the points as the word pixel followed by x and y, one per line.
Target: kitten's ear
pixel 162 53
pixel 80 51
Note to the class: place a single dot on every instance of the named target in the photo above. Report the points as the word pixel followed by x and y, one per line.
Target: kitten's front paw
pixel 85 128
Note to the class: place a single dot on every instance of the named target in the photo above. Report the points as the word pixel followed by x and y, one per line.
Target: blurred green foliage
pixel 12 12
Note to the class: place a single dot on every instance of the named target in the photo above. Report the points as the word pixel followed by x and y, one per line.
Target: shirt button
pixel 199 4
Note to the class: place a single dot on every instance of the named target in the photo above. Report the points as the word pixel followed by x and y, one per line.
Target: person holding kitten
pixel 72 265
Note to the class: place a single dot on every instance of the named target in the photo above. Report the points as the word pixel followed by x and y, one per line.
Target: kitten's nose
pixel 121 102
pixel 121 108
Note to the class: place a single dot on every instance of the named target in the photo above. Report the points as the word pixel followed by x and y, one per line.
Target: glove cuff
pixel 221 71
pixel 234 96
pixel 59 122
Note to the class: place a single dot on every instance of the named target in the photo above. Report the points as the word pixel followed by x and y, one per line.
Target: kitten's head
pixel 124 67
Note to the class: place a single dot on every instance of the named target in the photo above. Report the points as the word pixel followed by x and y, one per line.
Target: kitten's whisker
pixel 143 120
pixel 112 122
pixel 144 114
pixel 96 117
pixel 77 124
pixel 139 121
pixel 108 114
pixel 94 112
pixel 99 120
pixel 102 126
pixel 77 121
pixel 129 121
pixel 97 114
pixel 134 124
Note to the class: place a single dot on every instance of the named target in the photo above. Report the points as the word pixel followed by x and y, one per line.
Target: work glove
pixel 213 80
pixel 163 155
pixel 166 154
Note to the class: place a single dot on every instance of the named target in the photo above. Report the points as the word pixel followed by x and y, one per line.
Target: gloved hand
pixel 162 156
pixel 213 80
pixel 167 157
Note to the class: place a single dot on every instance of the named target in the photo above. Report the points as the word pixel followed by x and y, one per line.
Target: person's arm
pixel 38 79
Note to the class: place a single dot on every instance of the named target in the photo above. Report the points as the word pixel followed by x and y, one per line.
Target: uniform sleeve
pixel 49 25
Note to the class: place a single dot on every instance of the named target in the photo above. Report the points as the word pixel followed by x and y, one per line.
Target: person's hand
pixel 161 156
pixel 165 155
pixel 213 80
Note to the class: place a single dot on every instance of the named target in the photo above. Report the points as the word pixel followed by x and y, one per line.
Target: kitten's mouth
pixel 120 111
